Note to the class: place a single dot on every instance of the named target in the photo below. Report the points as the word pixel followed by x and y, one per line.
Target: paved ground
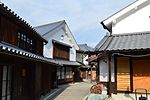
pixel 126 96
pixel 76 91
pixel 80 90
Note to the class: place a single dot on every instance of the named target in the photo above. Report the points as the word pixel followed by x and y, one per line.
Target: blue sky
pixel 82 16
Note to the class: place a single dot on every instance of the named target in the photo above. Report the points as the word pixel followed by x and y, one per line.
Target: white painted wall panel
pixel 137 22
pixel 48 48
pixel 112 70
pixel 85 60
pixel 103 70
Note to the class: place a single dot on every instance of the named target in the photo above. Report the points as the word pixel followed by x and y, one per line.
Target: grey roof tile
pixel 125 42
pixel 85 47
pixel 66 62
pixel 14 50
pixel 61 43
pixel 43 29
pixel 101 43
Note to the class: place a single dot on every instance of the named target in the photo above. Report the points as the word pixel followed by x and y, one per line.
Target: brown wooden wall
pixel 123 74
pixel 39 47
pixel 9 28
pixel 23 85
pixel 48 78
pixel 8 31
pixel 60 51
pixel 141 74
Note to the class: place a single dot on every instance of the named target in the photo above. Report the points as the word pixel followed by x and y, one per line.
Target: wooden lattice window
pixel 25 42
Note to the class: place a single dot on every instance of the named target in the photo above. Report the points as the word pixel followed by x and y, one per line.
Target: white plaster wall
pixel 104 71
pixel 72 54
pixel 112 70
pixel 137 22
pixel 84 60
pixel 48 48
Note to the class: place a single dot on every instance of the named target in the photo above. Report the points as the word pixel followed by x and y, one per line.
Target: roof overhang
pixel 61 43
pixel 11 50
pixel 123 13
pixel 67 63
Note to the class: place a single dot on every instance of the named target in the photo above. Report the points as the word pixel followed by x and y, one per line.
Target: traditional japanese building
pixel 22 65
pixel 62 48
pixel 124 53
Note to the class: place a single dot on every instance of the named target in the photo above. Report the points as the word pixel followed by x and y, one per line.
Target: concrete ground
pixel 127 96
pixel 76 91
pixel 81 90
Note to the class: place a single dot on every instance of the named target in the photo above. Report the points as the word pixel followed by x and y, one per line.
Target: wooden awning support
pixel 109 72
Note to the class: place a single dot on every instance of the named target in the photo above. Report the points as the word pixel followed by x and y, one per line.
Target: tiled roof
pixel 85 47
pixel 61 43
pixel 43 29
pixel 56 26
pixel 6 48
pixel 68 63
pixel 135 41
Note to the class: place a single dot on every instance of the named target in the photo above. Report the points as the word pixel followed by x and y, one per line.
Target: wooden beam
pixel 115 66
pixel 37 79
pixel 131 74
pixel 109 72
pixel 98 70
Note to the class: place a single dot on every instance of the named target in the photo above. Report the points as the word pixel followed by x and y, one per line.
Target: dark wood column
pixel 37 81
pixel 115 71
pixel 109 74
pixel 98 70
pixel 131 74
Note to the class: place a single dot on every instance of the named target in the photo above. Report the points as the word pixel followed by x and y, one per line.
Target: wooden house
pixel 124 53
pixel 62 48
pixel 22 65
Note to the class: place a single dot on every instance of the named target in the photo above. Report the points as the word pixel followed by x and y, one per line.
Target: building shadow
pixel 55 92
pixel 61 89
pixel 127 94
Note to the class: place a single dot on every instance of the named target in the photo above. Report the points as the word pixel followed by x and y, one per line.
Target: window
pixel 6 83
pixel 25 42
pixel 59 73
pixel 61 52
pixel 63 73
pixel 68 72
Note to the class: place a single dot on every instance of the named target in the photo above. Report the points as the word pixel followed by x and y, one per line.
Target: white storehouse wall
pixel 48 48
pixel 136 22
pixel 103 69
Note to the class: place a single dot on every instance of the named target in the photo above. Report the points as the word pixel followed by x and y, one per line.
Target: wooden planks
pixel 141 74
pixel 61 52
pixel 123 74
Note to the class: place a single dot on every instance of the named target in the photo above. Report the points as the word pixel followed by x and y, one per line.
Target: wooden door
pixel 141 74
pixel 19 84
pixel 123 74
pixel 6 82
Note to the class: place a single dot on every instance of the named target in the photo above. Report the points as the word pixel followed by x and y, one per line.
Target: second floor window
pixel 60 51
pixel 25 42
